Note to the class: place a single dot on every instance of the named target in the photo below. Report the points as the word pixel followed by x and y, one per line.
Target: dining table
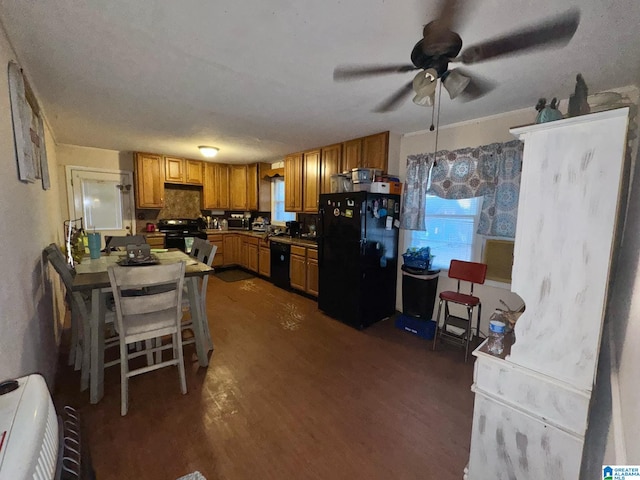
pixel 92 276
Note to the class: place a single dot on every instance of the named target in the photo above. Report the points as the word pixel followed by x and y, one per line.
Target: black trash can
pixel 419 292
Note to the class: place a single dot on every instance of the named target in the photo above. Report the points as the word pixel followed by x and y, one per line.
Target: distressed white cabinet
pixel 531 408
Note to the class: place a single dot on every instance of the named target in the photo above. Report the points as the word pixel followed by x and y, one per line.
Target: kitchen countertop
pixel 261 235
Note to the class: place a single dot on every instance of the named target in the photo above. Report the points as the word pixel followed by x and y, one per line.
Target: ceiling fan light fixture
pixel 455 83
pixel 424 84
pixel 208 152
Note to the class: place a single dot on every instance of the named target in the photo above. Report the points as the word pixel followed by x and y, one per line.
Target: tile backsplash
pixel 179 202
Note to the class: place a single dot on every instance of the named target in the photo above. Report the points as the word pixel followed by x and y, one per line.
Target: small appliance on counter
pixel 238 221
pixel 293 228
pixel 260 224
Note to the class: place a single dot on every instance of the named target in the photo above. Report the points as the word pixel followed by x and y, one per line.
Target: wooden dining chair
pixel 148 304
pixel 472 273
pixel 79 306
pixel 204 252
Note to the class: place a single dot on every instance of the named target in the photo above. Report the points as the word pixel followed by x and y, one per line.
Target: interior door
pixel 104 199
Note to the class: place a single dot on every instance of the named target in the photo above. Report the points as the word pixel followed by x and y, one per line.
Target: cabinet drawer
pixel 213 238
pixel 252 240
pixel 295 250
pixel 312 253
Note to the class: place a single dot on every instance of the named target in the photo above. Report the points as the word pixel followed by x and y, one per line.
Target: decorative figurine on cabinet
pixel 578 104
pixel 547 113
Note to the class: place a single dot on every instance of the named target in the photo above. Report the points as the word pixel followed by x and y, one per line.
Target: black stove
pixel 180 232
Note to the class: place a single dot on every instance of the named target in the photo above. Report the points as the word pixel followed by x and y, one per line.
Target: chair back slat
pixel 471 272
pixel 150 289
pixel 203 251
pixel 56 257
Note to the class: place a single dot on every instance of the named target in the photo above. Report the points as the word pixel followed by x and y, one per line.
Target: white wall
pixel 76 156
pixel 30 300
pixel 474 133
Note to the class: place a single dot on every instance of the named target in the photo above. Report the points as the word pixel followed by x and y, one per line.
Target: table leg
pixel 97 345
pixel 197 320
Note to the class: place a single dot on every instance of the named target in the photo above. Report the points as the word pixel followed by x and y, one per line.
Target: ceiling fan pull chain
pixel 435 149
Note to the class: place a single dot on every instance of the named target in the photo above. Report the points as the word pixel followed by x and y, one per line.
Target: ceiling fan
pixel 440 46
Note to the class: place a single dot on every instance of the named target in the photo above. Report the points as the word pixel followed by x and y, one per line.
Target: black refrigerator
pixel 358 256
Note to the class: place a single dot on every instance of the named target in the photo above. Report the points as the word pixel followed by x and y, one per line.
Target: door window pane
pixel 102 205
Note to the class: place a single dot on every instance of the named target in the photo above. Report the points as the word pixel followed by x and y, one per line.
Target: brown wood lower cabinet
pixel 264 263
pixel 312 272
pixel 251 253
pixel 232 249
pixel 155 241
pixel 303 270
pixel 216 240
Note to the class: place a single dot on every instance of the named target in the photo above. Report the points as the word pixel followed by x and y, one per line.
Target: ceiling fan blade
pixel 478 86
pixel 345 73
pixel 448 13
pixel 554 31
pixel 396 99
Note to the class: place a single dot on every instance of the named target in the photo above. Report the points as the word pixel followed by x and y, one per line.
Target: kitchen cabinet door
pixel 375 151
pixel 230 257
pixel 330 164
pixel 252 186
pixel 264 264
pixel 215 187
pixel 149 179
pixel 193 172
pixel 238 187
pixel 351 154
pixel 312 272
pixel 293 183
pixel 216 240
pixel 298 268
pixel 252 257
pixel 311 181
pixel 173 170
pixel 221 172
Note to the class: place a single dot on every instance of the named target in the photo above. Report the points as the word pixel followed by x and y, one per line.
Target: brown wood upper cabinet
pixel 293 183
pixel 371 151
pixel 184 171
pixel 351 154
pixel 330 164
pixel 215 191
pixel 149 179
pixel 238 187
pixel 311 181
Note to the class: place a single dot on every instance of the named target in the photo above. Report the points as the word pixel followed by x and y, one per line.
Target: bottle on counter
pixel 496 337
pixel 224 225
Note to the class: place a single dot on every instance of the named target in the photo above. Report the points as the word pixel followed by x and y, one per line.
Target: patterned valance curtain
pixel 415 191
pixel 489 171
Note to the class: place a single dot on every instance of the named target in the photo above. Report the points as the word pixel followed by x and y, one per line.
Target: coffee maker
pixel 293 228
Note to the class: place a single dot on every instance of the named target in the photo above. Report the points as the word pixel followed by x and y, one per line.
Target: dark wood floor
pixel 289 394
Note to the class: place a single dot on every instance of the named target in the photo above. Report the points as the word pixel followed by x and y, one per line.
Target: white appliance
pixel 29 432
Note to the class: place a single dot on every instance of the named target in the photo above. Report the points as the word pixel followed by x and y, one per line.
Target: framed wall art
pixel 28 130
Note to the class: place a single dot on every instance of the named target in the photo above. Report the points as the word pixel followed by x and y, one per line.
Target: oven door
pixel 175 241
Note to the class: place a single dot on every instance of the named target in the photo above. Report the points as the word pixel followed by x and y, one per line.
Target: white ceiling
pixel 255 78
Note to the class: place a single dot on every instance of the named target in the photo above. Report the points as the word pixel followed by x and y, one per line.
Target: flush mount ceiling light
pixel 208 152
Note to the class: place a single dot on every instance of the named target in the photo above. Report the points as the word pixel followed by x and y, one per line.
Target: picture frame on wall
pixel 28 130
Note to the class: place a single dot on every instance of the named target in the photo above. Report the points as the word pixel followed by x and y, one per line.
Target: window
pixel 278 215
pixel 451 227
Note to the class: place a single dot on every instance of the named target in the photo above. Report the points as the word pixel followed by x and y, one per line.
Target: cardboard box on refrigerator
pixel 394 188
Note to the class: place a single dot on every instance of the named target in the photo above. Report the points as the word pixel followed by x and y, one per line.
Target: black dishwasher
pixel 280 264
